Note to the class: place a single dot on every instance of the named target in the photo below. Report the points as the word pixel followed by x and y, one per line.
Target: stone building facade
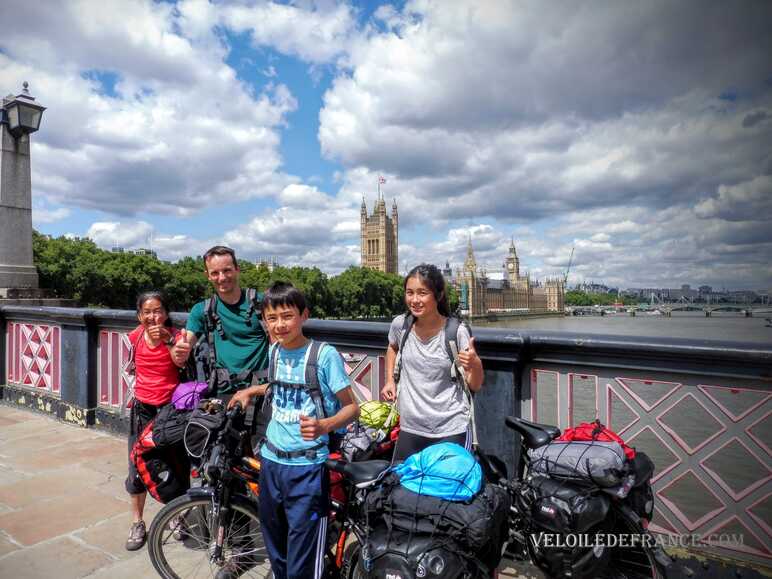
pixel 481 295
pixel 379 237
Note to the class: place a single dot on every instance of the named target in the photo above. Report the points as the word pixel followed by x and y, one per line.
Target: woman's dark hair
pixel 283 293
pixel 154 295
pixel 432 278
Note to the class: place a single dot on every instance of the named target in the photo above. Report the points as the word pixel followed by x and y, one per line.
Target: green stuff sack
pixel 378 415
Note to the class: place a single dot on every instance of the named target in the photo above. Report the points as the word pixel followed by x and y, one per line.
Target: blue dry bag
pixel 445 470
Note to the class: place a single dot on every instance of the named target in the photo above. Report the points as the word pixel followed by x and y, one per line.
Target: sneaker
pixel 137 536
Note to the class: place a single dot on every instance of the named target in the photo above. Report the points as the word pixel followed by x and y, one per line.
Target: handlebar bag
pixel 169 426
pixel 202 429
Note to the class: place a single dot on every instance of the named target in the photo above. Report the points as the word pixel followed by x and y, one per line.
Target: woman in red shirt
pixel 156 376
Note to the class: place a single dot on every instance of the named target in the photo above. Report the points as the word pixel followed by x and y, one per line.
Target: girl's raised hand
pixel 469 357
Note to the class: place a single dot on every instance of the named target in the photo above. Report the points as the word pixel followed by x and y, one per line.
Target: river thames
pixel 694 325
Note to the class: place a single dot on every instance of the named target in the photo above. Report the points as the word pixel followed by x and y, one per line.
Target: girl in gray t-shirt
pixel 432 407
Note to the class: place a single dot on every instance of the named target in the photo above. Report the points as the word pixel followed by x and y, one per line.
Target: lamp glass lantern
pixel 23 115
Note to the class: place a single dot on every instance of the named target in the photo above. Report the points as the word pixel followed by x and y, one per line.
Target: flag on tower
pixel 381 180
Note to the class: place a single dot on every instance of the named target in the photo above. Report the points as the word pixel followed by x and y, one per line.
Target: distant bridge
pixel 748 310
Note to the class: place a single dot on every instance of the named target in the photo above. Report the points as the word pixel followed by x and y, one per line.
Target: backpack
pixel 205 353
pixel 314 390
pixel 595 431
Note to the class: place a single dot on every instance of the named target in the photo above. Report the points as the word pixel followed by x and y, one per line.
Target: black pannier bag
pixel 473 525
pixel 560 507
pixel 164 471
pixel 402 554
pixel 202 427
pixel 641 496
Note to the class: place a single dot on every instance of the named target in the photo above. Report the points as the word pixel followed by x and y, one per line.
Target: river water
pixel 694 325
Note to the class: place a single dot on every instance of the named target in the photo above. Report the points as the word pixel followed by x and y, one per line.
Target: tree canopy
pixel 76 268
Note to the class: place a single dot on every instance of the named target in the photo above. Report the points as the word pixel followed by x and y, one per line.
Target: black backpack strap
pixel 211 324
pixel 407 326
pixel 272 361
pixel 452 325
pixel 451 345
pixel 312 377
pixel 255 305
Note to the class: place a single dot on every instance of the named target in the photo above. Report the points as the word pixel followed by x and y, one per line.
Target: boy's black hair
pixel 282 293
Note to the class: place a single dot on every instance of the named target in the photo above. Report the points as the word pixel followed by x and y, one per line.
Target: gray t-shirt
pixel 429 403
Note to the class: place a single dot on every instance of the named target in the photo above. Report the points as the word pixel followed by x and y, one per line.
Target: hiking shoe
pixel 137 536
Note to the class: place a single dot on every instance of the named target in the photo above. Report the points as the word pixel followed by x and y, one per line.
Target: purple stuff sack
pixel 187 394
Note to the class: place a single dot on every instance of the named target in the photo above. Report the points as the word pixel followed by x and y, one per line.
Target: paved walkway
pixel 64 512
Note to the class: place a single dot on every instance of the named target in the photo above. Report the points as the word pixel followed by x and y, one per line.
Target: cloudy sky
pixel 639 133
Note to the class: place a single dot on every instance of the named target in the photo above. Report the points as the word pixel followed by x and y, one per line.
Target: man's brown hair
pixel 221 250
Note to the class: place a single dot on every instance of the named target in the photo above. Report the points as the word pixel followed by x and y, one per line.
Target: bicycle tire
pixel 188 554
pixel 352 567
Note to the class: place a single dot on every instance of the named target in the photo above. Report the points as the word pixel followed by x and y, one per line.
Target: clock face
pixel 511 266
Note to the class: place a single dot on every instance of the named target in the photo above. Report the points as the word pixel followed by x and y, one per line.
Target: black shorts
pixel 408 443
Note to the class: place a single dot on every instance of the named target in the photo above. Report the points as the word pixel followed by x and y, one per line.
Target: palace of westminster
pixel 479 294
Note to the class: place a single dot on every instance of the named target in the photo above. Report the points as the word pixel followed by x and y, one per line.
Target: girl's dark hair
pixel 155 295
pixel 432 278
pixel 283 293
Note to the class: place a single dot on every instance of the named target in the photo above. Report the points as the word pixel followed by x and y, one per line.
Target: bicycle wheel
pixel 181 540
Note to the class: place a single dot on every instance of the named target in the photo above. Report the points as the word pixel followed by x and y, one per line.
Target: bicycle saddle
pixel 534 434
pixel 360 474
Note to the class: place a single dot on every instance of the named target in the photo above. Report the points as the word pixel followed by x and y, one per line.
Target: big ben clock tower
pixel 512 265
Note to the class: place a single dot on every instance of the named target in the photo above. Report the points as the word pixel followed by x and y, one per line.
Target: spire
pixel 470 264
pixel 512 249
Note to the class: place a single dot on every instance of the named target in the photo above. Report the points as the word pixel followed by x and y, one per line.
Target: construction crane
pixel 568 269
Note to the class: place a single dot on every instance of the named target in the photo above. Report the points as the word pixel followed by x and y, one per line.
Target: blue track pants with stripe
pixel 293 507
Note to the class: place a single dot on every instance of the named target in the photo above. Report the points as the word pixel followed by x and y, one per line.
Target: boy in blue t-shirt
pixel 294 483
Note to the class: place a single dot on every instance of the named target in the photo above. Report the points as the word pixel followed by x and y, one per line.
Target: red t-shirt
pixel 156 374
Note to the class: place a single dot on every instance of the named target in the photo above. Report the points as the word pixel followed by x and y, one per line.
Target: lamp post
pixel 20 116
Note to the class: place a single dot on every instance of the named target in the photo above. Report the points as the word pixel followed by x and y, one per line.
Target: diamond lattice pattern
pixel 36 356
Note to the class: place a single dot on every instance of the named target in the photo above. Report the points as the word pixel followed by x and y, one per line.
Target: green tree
pixel 365 293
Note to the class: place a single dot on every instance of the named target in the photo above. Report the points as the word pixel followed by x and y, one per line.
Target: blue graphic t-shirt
pixel 288 404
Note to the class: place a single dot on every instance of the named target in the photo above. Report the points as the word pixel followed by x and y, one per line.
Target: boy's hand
pixel 311 428
pixel 241 397
pixel 389 391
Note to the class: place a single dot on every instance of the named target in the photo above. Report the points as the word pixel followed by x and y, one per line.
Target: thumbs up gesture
pixel 182 348
pixel 469 358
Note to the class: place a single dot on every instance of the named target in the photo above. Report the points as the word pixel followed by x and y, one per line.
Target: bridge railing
pixel 701 409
